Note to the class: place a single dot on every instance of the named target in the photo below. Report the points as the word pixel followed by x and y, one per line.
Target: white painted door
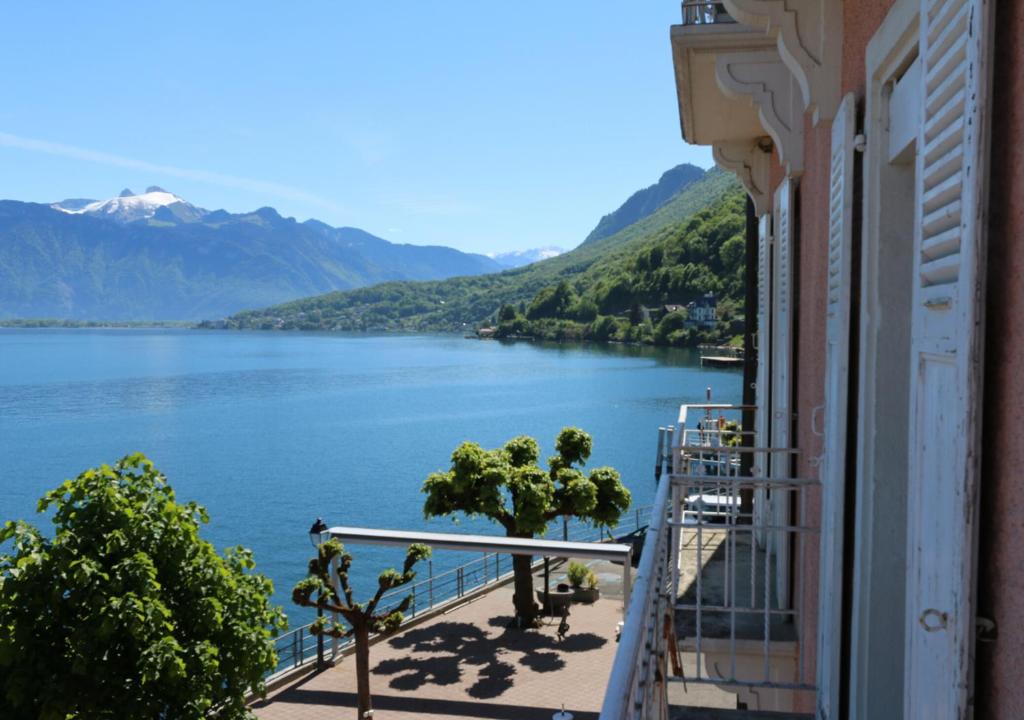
pixel 946 356
pixel 781 378
pixel 762 415
pixel 837 373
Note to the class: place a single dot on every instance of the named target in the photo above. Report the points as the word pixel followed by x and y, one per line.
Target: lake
pixel 271 430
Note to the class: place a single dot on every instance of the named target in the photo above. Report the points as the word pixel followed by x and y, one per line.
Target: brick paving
pixel 466 664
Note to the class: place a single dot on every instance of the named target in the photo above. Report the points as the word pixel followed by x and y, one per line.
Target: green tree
pixel 507 486
pixel 672 322
pixel 506 313
pixel 636 314
pixel 125 611
pixel 362 618
pixel 552 302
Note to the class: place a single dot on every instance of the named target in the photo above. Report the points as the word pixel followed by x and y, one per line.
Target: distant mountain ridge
pixel 155 256
pixel 645 202
pixel 597 268
pixel 519 258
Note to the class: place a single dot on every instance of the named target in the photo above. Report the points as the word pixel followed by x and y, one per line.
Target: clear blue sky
pixel 486 126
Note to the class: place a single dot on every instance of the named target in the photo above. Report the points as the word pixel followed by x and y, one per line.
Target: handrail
pixel 622 687
pixel 702 12
pixel 437 589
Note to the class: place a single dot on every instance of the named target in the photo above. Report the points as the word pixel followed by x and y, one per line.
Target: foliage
pixel 126 611
pixel 507 485
pixel 357 615
pixel 731 434
pixel 673 255
pixel 317 590
pixel 577 573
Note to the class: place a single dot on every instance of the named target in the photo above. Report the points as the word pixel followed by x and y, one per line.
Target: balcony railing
pixel 709 579
pixel 298 647
pixel 705 13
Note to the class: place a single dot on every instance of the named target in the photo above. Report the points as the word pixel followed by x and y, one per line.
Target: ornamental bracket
pixel 761 77
pixel 749 161
pixel 808 33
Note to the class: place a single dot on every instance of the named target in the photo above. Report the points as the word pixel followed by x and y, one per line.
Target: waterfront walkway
pixel 466 664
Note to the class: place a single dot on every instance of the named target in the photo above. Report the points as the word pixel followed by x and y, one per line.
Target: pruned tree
pixel 318 591
pixel 507 485
pixel 125 611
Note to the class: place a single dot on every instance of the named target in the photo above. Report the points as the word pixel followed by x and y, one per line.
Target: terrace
pixel 710 618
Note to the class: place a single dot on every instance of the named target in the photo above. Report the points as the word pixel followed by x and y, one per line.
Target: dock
pixel 720 361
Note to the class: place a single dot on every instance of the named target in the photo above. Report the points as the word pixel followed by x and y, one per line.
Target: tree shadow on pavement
pixel 437 654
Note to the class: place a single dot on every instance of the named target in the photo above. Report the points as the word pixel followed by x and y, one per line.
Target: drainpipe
pixel 749 353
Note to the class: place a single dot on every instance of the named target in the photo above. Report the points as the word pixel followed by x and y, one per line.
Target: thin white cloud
pixel 203 176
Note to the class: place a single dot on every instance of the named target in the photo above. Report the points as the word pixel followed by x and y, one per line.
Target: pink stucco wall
pixel 860 21
pixel 1000 665
pixel 999 673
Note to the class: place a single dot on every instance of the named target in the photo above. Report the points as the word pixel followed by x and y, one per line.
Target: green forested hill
pixel 691 245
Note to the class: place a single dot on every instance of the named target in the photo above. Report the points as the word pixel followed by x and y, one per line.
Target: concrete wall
pixel 1000 664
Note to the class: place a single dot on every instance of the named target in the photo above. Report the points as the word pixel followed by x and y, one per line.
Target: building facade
pixel 880 142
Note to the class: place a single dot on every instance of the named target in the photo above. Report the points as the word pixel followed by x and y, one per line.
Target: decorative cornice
pixel 809 36
pixel 771 87
pixel 750 162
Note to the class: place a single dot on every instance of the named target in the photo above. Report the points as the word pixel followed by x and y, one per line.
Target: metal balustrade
pixel 699 12
pixel 298 647
pixel 708 589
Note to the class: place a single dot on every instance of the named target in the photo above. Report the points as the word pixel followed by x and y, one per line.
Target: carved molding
pixel 809 36
pixel 750 162
pixel 767 82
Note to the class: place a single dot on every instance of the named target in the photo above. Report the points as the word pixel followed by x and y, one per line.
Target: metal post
pixel 430 581
pixel 676 531
pixel 627 570
pixel 547 585
pixel 565 528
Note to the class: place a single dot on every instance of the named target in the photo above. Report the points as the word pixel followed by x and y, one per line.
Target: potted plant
pixel 583 581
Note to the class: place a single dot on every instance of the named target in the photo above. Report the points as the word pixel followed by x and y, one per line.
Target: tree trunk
pixel 526 608
pixel 362 634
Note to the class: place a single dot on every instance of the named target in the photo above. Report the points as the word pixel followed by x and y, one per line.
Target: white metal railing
pixel 713 526
pixel 731 597
pixel 298 647
pixel 701 12
pixel 634 687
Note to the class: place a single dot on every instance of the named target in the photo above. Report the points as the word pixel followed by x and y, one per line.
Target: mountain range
pixel 155 256
pixel 645 202
pixel 519 258
pixel 604 270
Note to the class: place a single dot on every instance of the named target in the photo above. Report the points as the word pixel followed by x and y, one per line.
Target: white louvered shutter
pixel 946 356
pixel 837 373
pixel 781 374
pixel 763 381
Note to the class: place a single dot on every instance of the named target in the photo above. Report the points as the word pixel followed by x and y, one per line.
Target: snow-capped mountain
pixel 129 207
pixel 518 258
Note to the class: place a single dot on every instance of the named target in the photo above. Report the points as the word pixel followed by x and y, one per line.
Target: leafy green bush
pixel 125 611
pixel 577 573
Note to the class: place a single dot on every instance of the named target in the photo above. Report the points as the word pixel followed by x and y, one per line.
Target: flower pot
pixel 585 595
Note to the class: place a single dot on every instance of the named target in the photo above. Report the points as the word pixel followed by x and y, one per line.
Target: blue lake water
pixel 271 430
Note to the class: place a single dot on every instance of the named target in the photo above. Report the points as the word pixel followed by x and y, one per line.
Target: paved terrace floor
pixel 466 664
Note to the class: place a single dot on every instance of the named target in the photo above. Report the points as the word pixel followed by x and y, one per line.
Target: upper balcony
pixel 698 12
pixel 711 113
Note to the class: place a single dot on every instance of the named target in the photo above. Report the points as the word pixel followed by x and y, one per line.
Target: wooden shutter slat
pixel 837 351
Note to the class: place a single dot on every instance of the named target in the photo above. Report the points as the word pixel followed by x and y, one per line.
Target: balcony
pixel 705 13
pixel 716 604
